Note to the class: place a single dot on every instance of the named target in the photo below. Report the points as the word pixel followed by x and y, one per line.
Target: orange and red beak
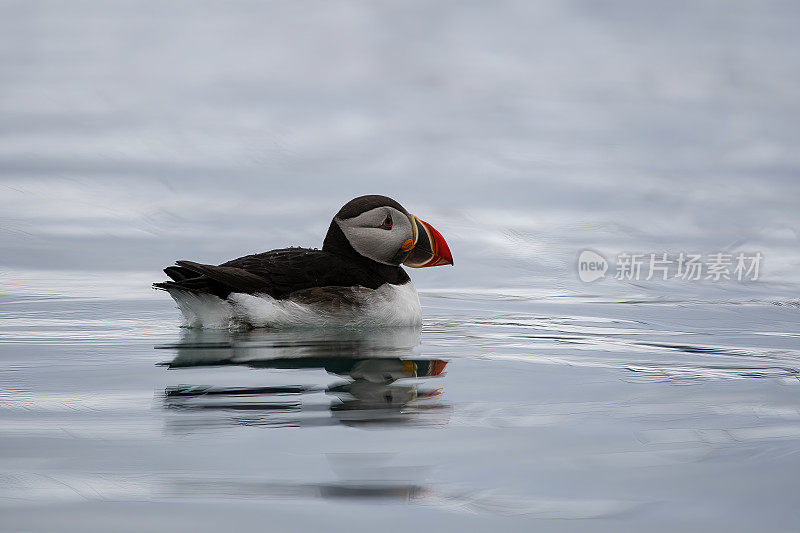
pixel 429 247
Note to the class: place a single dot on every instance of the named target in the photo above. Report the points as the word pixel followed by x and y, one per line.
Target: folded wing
pixel 277 273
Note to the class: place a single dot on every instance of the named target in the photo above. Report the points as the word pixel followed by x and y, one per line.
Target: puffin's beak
pixel 429 249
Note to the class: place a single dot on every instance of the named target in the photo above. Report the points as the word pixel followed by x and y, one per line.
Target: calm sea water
pixel 135 134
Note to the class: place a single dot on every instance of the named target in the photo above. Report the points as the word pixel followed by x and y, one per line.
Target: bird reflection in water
pixel 381 379
pixel 312 378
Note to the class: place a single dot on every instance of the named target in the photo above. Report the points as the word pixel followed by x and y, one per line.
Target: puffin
pixel 355 279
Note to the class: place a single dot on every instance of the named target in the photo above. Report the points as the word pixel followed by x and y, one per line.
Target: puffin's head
pixel 381 229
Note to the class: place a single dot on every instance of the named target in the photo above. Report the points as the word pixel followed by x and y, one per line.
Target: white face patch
pixel 368 235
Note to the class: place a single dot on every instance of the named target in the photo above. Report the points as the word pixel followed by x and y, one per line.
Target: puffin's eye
pixel 387 222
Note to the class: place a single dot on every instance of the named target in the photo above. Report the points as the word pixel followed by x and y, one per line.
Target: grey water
pixel 133 134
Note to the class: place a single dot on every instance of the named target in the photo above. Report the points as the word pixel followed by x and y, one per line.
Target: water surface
pixel 138 133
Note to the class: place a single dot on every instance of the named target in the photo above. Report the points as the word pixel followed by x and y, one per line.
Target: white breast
pixel 389 305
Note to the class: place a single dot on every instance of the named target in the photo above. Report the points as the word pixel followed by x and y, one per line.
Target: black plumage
pixel 302 273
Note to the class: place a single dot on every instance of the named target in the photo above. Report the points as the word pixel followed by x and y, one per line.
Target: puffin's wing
pixel 237 279
pixel 277 273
